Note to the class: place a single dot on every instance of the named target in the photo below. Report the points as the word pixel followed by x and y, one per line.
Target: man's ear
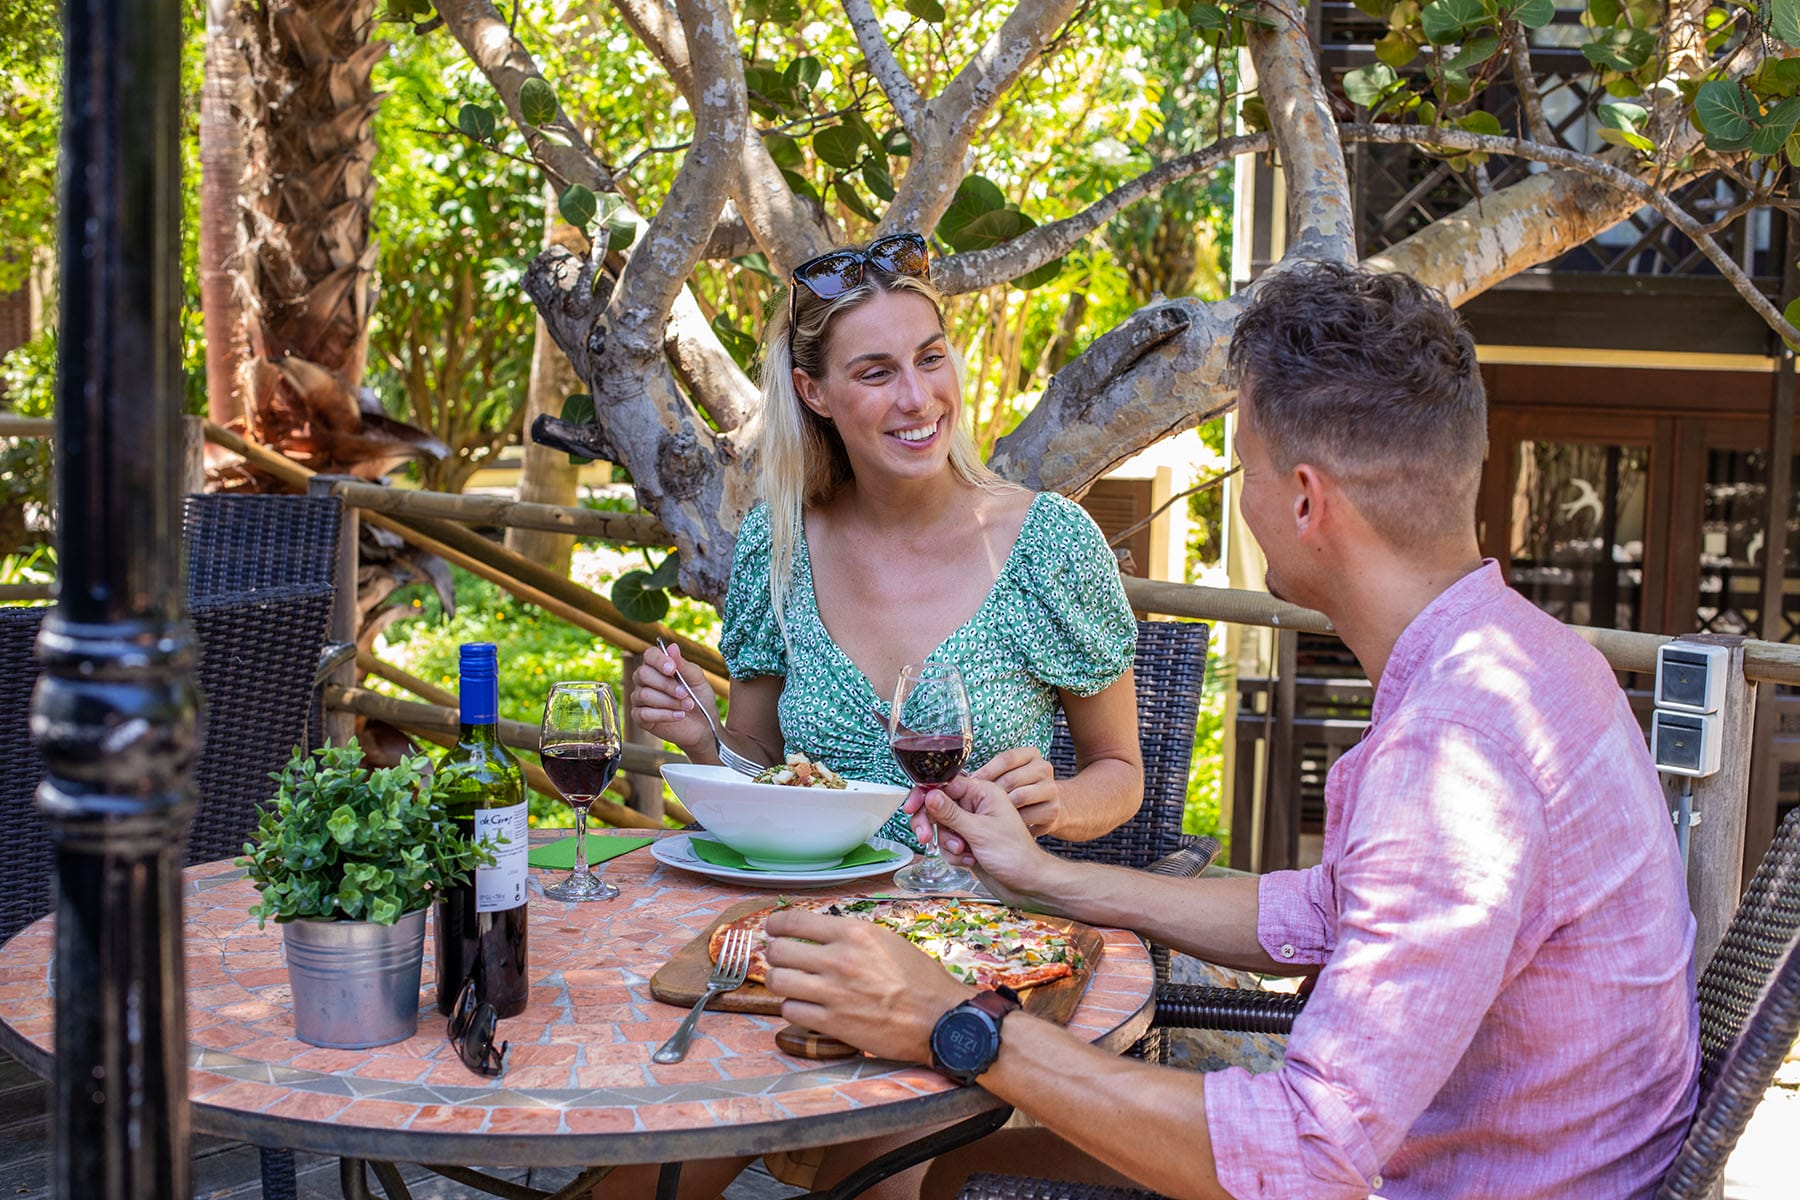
pixel 808 390
pixel 1313 496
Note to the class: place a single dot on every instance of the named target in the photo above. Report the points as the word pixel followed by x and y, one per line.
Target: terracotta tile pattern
pixel 580 1056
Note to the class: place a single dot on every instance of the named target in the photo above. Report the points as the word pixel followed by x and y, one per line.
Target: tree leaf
pixel 975 196
pixel 1534 14
pixel 1723 110
pixel 785 151
pixel 1623 115
pixel 1626 137
pixel 1043 275
pixel 1776 126
pixel 1396 49
pixel 577 205
pixel 1604 12
pixel 1621 49
pixel 804 71
pixel 578 409
pixel 1784 20
pixel 537 101
pixel 990 229
pixel 1254 114
pixel 897 143
pixel 476 120
pixel 846 192
pixel 621 231
pixel 1366 86
pixel 839 145
pixel 1445 21
pixel 740 345
pixel 1480 122
pixel 1207 17
pixel 929 11
pixel 799 184
pixel 1792 313
pixel 638 601
pixel 668 571
pixel 876 176
pixel 1474 52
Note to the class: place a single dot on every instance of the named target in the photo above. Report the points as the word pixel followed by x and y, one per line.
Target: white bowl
pixel 778 827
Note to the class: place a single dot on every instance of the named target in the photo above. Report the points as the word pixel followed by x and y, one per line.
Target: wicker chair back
pixel 1169 669
pixel 259 641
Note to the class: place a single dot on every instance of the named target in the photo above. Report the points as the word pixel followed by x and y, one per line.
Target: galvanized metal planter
pixel 355 983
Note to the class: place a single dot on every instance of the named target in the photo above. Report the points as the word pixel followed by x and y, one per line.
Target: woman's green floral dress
pixel 1056 618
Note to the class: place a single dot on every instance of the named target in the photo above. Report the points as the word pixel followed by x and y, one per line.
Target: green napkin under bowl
pixel 560 855
pixel 721 855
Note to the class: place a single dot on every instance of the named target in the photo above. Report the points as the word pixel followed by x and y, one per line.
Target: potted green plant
pixel 346 860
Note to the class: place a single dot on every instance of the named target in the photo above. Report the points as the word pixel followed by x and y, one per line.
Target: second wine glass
pixel 931 733
pixel 580 745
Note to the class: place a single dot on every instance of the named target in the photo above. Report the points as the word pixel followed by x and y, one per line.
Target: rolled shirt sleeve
pixel 1445 832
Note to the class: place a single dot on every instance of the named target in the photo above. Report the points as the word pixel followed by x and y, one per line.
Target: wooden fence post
pixel 1716 843
pixel 340 726
pixel 646 790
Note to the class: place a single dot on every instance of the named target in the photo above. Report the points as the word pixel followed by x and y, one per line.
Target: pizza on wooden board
pixel 982 944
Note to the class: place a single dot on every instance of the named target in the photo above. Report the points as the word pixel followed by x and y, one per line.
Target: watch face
pixel 965 1041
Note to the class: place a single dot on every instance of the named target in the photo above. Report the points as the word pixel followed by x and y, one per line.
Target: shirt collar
pixel 1476 588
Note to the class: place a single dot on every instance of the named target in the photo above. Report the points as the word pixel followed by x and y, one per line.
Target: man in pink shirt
pixel 1504 1003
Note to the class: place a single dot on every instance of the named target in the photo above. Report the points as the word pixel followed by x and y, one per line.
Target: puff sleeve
pixel 751 641
pixel 1080 634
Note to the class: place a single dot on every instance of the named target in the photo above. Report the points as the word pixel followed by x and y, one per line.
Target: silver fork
pixel 727 755
pixel 728 975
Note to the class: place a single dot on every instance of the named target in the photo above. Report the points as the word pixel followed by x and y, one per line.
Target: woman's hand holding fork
pixel 662 707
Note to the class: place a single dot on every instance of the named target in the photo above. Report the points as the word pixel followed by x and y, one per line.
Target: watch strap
pixel 996 1002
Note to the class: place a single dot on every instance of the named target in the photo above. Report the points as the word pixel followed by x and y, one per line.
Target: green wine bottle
pixel 481 930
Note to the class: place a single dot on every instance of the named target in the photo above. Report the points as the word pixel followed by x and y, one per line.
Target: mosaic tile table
pixel 579 1087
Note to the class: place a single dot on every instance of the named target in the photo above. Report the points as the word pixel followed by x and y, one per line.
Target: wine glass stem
pixel 581 804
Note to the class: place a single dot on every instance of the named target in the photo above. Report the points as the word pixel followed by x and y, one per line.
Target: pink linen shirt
pixel 1506 1001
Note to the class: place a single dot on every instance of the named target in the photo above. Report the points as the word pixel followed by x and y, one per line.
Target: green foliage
pixel 1203 812
pixel 452 332
pixel 343 842
pixel 28 384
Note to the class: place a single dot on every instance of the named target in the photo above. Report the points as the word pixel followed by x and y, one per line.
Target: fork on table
pixel 728 975
pixel 727 755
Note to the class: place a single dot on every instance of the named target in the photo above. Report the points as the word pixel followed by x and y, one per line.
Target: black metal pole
pixel 116 712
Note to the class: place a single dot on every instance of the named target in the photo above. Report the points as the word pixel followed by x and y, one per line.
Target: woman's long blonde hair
pixel 803 461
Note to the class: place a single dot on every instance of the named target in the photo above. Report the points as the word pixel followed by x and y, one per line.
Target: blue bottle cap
pixel 479 684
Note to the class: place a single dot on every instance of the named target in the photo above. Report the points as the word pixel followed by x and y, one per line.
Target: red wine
pixel 582 768
pixel 931 759
pixel 489 947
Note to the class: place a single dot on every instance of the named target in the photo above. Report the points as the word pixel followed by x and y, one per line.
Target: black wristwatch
pixel 966 1040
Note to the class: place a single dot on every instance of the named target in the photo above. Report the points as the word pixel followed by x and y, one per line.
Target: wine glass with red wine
pixel 580 747
pixel 931 733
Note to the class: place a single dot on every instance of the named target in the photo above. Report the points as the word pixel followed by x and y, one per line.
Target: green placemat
pixel 560 855
pixel 721 855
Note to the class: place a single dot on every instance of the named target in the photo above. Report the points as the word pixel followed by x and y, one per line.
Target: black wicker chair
pixel 260 591
pixel 1749 1019
pixel 1170 669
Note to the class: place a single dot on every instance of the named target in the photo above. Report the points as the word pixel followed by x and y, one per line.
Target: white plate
pixel 676 852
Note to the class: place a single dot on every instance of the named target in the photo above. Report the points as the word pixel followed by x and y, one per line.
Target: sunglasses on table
pixel 471 1031
pixel 832 274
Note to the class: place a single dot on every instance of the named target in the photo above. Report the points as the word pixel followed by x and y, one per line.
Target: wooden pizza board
pixel 682 980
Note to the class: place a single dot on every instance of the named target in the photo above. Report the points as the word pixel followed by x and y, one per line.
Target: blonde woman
pixel 882 540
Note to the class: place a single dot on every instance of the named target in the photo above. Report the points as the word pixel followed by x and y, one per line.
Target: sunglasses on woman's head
pixel 471 1031
pixel 831 275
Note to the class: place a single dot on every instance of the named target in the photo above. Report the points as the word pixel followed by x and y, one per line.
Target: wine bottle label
pixel 502 886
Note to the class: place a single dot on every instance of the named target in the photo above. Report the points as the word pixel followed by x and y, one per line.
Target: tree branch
pixel 783 224
pixel 1321 221
pixel 977 269
pixel 667 251
pixel 1614 177
pixel 1531 103
pixel 884 66
pixel 948 122
pixel 484 36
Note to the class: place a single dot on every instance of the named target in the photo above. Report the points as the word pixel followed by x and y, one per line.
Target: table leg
pixel 353 1181
pixel 668 1181
pixel 909 1155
